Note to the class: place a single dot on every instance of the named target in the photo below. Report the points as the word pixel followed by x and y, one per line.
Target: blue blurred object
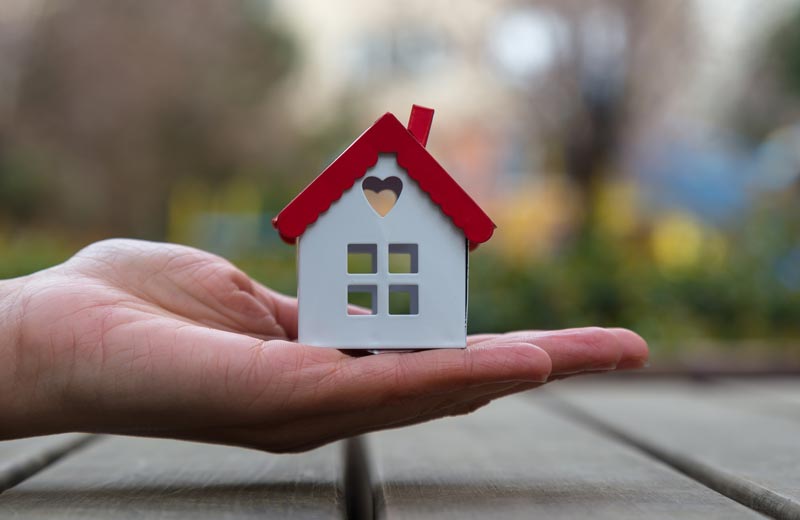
pixel 778 159
pixel 787 270
pixel 711 180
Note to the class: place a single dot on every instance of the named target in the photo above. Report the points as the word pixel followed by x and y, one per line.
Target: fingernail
pixel 633 364
pixel 610 366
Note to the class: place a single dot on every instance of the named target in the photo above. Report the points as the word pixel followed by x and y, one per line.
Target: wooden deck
pixel 578 449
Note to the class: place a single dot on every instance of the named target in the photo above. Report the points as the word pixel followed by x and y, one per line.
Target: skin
pixel 163 340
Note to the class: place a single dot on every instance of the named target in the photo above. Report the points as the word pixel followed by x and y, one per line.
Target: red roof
pixel 387 135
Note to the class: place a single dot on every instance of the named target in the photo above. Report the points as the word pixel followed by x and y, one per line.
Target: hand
pixel 155 339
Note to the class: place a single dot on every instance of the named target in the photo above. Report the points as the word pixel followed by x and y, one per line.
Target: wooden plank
pixel 518 460
pixel 127 477
pixel 706 431
pixel 19 459
pixel 779 396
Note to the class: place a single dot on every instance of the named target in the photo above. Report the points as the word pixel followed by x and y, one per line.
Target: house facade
pixel 433 278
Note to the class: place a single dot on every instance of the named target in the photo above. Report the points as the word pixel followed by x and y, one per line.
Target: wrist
pixel 11 310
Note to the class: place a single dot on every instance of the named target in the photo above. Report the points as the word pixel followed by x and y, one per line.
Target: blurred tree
pixel 121 98
pixel 602 84
pixel 769 96
pixel 784 47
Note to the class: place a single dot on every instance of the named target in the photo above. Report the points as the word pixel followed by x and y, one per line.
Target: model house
pixel 386 228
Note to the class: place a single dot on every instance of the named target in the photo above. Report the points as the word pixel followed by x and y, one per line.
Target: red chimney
pixel 419 124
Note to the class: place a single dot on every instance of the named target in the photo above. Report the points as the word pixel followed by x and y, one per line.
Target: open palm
pixel 157 339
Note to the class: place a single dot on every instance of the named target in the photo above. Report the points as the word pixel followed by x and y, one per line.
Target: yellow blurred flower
pixel 617 209
pixel 531 220
pixel 680 241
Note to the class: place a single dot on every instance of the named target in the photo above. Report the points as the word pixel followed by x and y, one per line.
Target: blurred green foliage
pixel 32 252
pixel 784 49
pixel 599 285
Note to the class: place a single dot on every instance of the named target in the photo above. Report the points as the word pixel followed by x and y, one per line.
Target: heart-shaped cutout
pixel 382 194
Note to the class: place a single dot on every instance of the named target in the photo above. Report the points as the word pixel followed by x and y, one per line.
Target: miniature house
pixel 384 227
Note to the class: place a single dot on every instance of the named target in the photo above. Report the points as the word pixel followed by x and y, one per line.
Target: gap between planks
pixel 29 463
pixel 744 491
pixel 358 480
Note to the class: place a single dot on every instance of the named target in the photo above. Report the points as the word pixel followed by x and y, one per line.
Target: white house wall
pixel 441 281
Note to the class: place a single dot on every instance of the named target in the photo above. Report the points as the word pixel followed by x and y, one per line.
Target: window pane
pixel 364 296
pixel 403 299
pixel 403 258
pixel 362 258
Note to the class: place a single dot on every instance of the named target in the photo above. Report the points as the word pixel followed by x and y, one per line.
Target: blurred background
pixel 641 158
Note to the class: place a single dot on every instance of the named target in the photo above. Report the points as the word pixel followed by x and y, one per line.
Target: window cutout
pixel 365 296
pixel 403 258
pixel 362 258
pixel 403 299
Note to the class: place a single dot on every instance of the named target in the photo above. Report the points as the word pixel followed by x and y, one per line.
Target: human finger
pixel 577 350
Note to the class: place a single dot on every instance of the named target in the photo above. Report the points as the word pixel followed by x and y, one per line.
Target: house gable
pixel 387 135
